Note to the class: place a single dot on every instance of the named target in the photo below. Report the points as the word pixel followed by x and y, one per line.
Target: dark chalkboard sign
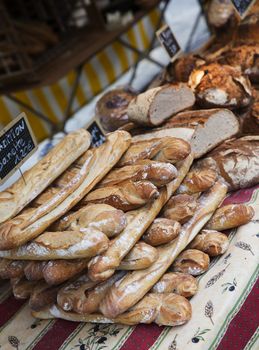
pixel 167 39
pixel 17 144
pixel 242 6
pixel 98 137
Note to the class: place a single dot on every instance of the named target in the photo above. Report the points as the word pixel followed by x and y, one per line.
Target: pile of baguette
pixel 119 233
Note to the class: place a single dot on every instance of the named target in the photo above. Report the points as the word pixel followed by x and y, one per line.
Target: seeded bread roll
pixel 180 208
pixel 211 242
pixel 176 282
pixel 161 231
pixel 192 261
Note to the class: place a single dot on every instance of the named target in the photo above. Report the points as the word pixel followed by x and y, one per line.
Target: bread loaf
pixel 219 12
pixel 41 175
pixel 218 85
pixel 22 288
pixel 42 296
pixel 127 195
pixel 237 161
pixel 34 221
pixel 230 216
pixel 61 245
pixel 180 208
pixel 163 309
pixel 192 261
pixel 101 217
pixel 140 257
pixel 34 270
pixel 12 268
pixel 211 242
pixel 161 231
pixel 198 181
pixel 176 282
pixel 156 105
pixel 103 266
pixel 182 67
pixel 135 285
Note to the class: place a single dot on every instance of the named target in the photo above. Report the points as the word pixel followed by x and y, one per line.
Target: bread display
pixel 180 208
pixel 156 105
pixel 211 242
pixel 192 261
pixel 16 197
pixel 161 231
pixel 218 85
pixel 230 216
pixel 176 282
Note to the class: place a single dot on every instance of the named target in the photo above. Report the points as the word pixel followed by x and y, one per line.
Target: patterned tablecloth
pixel 225 310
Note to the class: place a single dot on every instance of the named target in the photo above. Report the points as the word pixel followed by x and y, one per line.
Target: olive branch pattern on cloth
pixel 199 335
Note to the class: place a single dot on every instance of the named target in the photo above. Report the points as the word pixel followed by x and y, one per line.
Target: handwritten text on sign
pixel 17 143
pixel 242 6
pixel 167 39
pixel 98 137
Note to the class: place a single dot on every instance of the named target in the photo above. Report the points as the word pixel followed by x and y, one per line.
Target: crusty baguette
pixel 41 175
pixel 136 284
pixel 230 216
pixel 34 270
pixel 176 282
pixel 140 257
pixel 162 309
pixel 22 288
pixel 101 217
pixel 84 296
pixel 197 181
pixel 127 195
pixel 12 268
pixel 236 160
pixel 191 261
pixel 180 208
pixel 156 105
pixel 97 163
pixel 161 231
pixel 61 245
pixel 42 296
pixel 166 149
pixel 158 173
pixel 211 242
pixel 103 266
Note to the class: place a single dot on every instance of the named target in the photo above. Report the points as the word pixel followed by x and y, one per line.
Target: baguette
pixel 136 284
pixel 236 160
pixel 211 242
pixel 140 257
pixel 42 296
pixel 166 149
pixel 83 296
pixel 230 216
pixel 29 225
pixel 101 217
pixel 41 175
pixel 161 231
pixel 198 181
pixel 156 105
pixel 12 268
pixel 34 270
pixel 191 261
pixel 176 282
pixel 180 208
pixel 162 309
pixel 158 173
pixel 22 288
pixel 103 266
pixel 127 195
pixel 61 245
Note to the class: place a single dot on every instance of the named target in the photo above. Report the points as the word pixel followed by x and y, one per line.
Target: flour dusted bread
pixel 161 231
pixel 42 296
pixel 140 257
pixel 211 242
pixel 180 208
pixel 61 245
pixel 22 288
pixel 42 174
pixel 218 85
pixel 34 270
pixel 73 185
pixel 156 105
pixel 236 160
pixel 12 268
pixel 192 261
pixel 198 181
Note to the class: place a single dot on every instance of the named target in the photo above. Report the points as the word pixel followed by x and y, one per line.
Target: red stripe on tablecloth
pixel 244 324
pixel 56 336
pixel 8 308
pixel 240 196
pixel 143 337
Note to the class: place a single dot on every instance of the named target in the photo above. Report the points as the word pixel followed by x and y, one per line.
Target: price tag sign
pixel 98 136
pixel 242 6
pixel 167 39
pixel 17 144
